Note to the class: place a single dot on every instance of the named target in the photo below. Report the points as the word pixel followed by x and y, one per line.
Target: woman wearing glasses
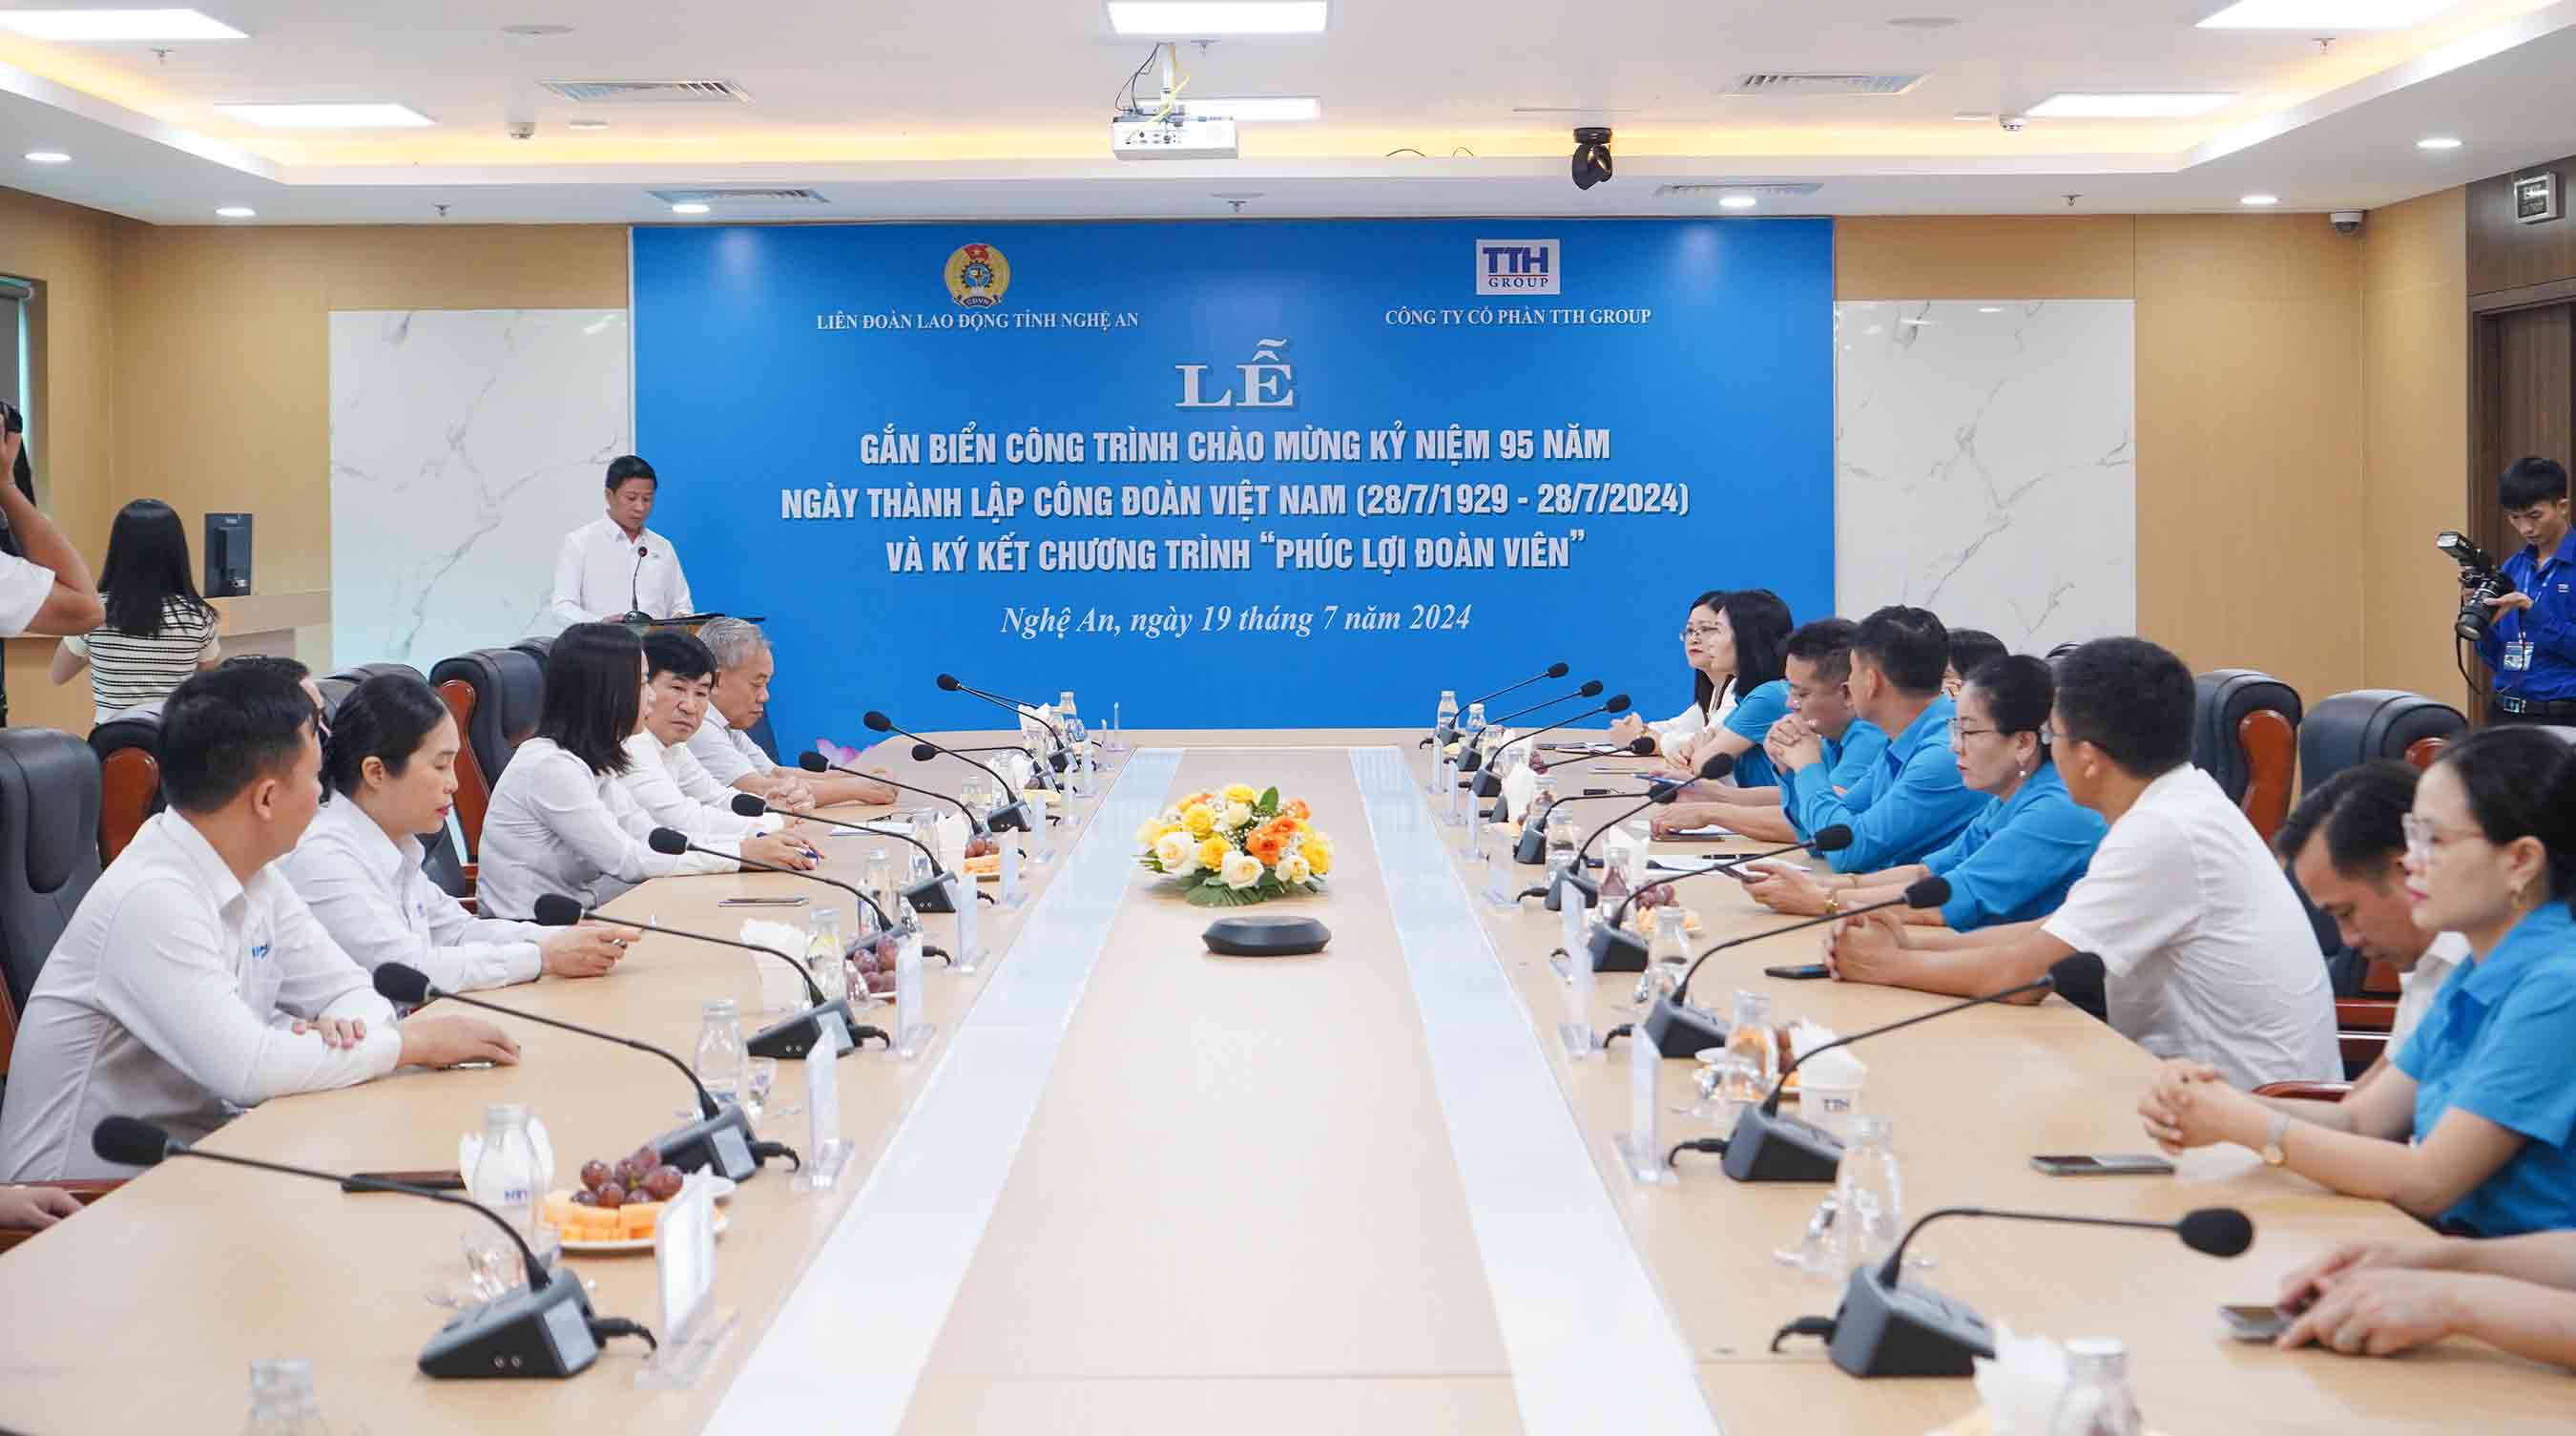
pixel 2016 860
pixel 1712 665
pixel 2473 1126
pixel 1733 641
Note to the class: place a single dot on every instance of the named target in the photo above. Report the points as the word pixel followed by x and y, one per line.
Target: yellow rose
pixel 1146 835
pixel 1212 853
pixel 1241 792
pixel 1199 819
pixel 1318 853
pixel 1294 869
pixel 1241 870
pixel 1176 853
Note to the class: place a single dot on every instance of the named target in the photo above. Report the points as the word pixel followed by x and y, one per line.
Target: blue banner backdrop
pixel 1234 474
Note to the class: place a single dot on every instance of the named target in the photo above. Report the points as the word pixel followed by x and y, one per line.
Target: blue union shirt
pixel 2015 860
pixel 2549 625
pixel 1910 805
pixel 1848 759
pixel 2500 1041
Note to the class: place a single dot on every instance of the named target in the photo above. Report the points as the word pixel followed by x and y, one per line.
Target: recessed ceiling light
pixel 2260 200
pixel 585 124
pixel 373 116
pixel 536 31
pixel 236 211
pixel 2326 17
pixel 1193 19
pixel 1924 22
pixel 688 206
pixel 1973 116
pixel 1736 201
pixel 1917 323
pixel 48 157
pixel 1990 309
pixel 114 25
pixel 2126 105
pixel 1249 108
pixel 2437 142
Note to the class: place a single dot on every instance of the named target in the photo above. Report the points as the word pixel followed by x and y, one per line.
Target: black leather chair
pixel 439 859
pixel 508 688
pixel 127 746
pixel 49 806
pixel 2369 724
pixel 2246 736
pixel 536 648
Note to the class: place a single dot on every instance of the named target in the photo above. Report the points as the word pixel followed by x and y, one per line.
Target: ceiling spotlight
pixel 1736 201
pixel 2260 200
pixel 2437 142
pixel 48 157
pixel 236 211
pixel 1591 155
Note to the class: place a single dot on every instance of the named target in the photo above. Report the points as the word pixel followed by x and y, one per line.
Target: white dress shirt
pixel 653 781
pixel 171 998
pixel 597 575
pixel 1694 720
pixel 2206 950
pixel 370 893
pixel 2418 988
pixel 24 587
pixel 726 752
pixel 554 826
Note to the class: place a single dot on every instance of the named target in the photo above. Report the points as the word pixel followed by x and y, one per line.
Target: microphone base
pixel 1011 818
pixel 720 1144
pixel 930 895
pixel 1615 949
pixel 1681 1030
pixel 1487 785
pixel 1768 1147
pixel 792 1037
pixel 1906 1331
pixel 521 1333
pixel 1531 850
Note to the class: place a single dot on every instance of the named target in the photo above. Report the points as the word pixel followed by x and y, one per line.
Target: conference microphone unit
pixel 813 762
pixel 948 684
pixel 1615 949
pixel 546 1328
pixel 1533 841
pixel 1531 848
pixel 1488 784
pixel 1718 766
pixel 1678 1029
pixel 789 1037
pixel 1642 747
pixel 1470 761
pixel 1767 1147
pixel 1553 670
pixel 671 843
pixel 1058 760
pixel 928 895
pixel 1887 1328
pixel 1012 816
pixel 720 1141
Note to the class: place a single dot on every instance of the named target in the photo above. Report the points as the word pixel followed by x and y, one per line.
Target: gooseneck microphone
pixel 523 1332
pixel 1767 1147
pixel 1009 817
pixel 1615 949
pixel 1618 704
pixel 813 762
pixel 1470 760
pixel 720 1140
pixel 948 684
pixel 1888 1329
pixel 671 843
pixel 1717 766
pixel 790 1037
pixel 1679 1029
pixel 635 583
pixel 1554 670
pixel 1637 748
pixel 928 895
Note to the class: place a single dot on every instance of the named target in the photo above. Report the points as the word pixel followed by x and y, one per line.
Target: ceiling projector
pixel 1176 136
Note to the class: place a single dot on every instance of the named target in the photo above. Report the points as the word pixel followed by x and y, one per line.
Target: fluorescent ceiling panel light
pixel 2132 105
pixel 2260 200
pixel 115 25
pixel 2437 142
pixel 48 157
pixel 2325 17
pixel 1194 19
pixel 1736 201
pixel 688 207
pixel 328 116
pixel 236 211
pixel 1254 108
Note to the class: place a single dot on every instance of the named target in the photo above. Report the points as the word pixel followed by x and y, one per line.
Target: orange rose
pixel 1268 847
pixel 1297 809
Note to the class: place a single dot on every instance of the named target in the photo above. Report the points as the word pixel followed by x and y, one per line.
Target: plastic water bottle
pixel 1868 1197
pixel 722 1061
pixel 2097 1400
pixel 505 1180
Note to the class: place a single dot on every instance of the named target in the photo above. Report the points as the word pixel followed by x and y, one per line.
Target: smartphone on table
pixel 2127 1164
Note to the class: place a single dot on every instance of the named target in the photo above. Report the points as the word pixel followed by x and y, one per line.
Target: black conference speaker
pixel 227 555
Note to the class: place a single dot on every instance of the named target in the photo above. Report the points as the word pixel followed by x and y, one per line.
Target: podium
pixel 688 623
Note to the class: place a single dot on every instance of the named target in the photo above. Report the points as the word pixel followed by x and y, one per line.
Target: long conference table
pixel 1131 1187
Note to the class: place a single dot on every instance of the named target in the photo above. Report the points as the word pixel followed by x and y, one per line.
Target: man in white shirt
pixel 49 590
pixel 667 780
pixel 723 743
pixel 2205 950
pixel 616 566
pixel 193 983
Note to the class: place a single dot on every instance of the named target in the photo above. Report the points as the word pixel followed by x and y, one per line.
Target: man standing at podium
pixel 609 569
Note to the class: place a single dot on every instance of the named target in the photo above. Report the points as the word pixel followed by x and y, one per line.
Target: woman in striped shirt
pixel 158 631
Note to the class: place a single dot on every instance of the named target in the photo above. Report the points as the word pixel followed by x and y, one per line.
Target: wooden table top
pixel 1236 1200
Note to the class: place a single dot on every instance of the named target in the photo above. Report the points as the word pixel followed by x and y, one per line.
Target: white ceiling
pixel 1000 110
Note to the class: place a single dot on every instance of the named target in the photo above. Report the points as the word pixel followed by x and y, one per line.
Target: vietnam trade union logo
pixel 978 276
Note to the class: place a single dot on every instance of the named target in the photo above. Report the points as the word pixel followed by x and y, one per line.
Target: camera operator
pixel 2532 644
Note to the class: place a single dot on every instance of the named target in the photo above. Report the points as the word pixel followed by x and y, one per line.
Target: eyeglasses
pixel 1957 732
pixel 2423 839
pixel 1699 630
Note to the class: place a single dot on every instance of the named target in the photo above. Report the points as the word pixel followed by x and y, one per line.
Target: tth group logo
pixel 1517 266
pixel 978 276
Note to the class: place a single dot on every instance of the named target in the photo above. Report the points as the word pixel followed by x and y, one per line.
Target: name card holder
pixel 826 1154
pixel 693 1328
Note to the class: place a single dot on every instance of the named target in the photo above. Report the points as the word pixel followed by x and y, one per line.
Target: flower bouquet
pixel 1236 847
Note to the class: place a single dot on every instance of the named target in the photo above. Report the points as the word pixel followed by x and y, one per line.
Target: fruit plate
pixel 631 1244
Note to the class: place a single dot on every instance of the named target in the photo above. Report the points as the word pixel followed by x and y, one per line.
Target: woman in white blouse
pixel 560 819
pixel 1713 694
pixel 390 768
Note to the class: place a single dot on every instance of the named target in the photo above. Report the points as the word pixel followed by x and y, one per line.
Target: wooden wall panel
pixel 2415 442
pixel 2506 255
pixel 1986 257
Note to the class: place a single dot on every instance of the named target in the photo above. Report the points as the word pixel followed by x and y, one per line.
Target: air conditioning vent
pixel 650 92
pixel 1824 82
pixel 1761 189
pixel 739 196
